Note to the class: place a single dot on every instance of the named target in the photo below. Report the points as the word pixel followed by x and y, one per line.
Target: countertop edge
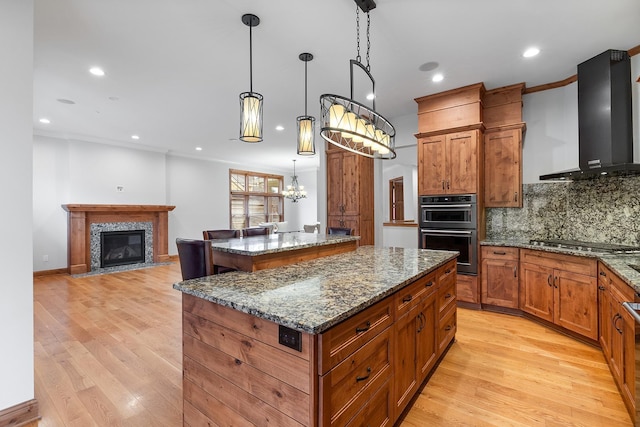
pixel 346 239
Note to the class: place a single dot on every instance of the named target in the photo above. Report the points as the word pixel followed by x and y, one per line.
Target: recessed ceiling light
pixel 532 51
pixel 437 78
pixel 198 148
pixel 135 137
pixel 45 121
pixel 279 127
pixel 96 71
pixel 65 101
pixel 371 96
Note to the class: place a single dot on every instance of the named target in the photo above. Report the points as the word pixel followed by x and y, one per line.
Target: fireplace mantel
pixel 81 216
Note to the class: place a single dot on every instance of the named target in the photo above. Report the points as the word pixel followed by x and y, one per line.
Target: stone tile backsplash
pixel 603 210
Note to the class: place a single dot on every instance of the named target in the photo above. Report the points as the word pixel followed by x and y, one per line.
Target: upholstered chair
pixel 220 234
pixel 255 231
pixel 195 258
pixel 339 230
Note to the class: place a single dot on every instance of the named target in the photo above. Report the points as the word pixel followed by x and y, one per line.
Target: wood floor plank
pixel 108 352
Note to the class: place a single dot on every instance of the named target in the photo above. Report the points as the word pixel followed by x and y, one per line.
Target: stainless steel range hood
pixel 605 124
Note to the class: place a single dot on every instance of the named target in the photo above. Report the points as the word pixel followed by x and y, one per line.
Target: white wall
pixel 551 139
pixel 70 171
pixel 16 287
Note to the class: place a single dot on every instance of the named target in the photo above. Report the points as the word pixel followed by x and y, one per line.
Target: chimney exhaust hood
pixel 605 124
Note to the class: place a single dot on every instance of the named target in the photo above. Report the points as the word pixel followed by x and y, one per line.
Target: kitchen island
pixel 274 250
pixel 338 340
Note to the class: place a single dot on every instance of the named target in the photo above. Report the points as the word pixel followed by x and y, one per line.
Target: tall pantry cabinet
pixel 350 192
pixel 451 158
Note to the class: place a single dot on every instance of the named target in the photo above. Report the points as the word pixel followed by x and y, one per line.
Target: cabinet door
pixel 604 315
pixel 427 346
pixel 351 183
pixel 617 343
pixel 405 379
pixel 500 282
pixel 334 184
pixel 503 169
pixel 628 385
pixel 536 293
pixel 462 163
pixel 576 303
pixel 432 165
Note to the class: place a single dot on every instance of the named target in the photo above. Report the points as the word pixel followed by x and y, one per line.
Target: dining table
pixel 277 249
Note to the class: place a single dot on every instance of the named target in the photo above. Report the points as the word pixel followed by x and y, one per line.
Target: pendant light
pixel 294 191
pixel 351 125
pixel 250 102
pixel 306 123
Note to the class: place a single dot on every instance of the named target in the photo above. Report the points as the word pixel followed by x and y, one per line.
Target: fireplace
pixel 122 247
pixel 86 222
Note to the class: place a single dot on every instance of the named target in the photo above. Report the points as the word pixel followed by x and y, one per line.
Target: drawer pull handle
pixel 602 288
pixel 447 271
pixel 365 329
pixel 429 284
pixel 499 253
pixel 447 295
pixel 602 273
pixel 407 298
pixel 358 379
pixel 448 328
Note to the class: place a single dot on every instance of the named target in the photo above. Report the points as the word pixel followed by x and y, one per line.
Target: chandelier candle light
pixel 250 102
pixel 306 123
pixel 351 125
pixel 294 191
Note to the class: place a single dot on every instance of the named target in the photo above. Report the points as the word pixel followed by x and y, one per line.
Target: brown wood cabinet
pixel 416 348
pixel 617 333
pixel 350 193
pixel 448 163
pixel 500 276
pixel 561 289
pixel 503 167
pixel 372 364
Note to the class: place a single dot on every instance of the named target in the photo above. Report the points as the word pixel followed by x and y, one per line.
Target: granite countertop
pixel 314 295
pixel 618 263
pixel 277 242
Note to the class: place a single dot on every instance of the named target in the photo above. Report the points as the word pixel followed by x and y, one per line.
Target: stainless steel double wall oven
pixel 450 223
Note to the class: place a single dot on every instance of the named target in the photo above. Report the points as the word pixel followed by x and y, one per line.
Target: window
pixel 396 199
pixel 254 198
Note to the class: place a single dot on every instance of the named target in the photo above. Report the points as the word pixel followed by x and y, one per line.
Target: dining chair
pixel 255 231
pixel 310 228
pixel 339 230
pixel 195 258
pixel 220 234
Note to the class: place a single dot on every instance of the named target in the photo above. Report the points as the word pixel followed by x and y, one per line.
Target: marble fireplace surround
pixel 81 217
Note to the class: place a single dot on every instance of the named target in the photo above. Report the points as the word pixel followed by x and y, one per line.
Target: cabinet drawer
pixel 354 381
pixel 447 329
pixel 500 252
pixel 339 342
pixel 447 273
pixel 446 296
pixel 574 264
pixel 408 297
pixel 377 412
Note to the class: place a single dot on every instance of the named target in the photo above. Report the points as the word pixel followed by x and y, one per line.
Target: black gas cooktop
pixel 586 246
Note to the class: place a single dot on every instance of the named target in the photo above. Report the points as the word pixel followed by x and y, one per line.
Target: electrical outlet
pixel 45 258
pixel 120 189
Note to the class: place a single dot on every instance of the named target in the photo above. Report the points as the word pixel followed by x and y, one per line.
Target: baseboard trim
pixel 20 414
pixel 51 272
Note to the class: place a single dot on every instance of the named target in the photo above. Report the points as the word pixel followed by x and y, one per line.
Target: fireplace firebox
pixel 121 248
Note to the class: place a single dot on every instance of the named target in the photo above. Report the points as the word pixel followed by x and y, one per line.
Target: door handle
pixel 515 196
pixel 548 280
pixel 515 271
pixel 555 282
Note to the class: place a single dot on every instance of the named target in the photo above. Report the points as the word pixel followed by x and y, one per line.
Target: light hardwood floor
pixel 108 352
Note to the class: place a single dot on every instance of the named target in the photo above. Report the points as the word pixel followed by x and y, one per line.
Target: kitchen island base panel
pixel 233 360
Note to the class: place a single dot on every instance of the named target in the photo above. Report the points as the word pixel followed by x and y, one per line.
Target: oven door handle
pixel 445 231
pixel 445 206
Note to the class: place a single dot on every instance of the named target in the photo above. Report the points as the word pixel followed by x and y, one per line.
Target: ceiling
pixel 175 68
